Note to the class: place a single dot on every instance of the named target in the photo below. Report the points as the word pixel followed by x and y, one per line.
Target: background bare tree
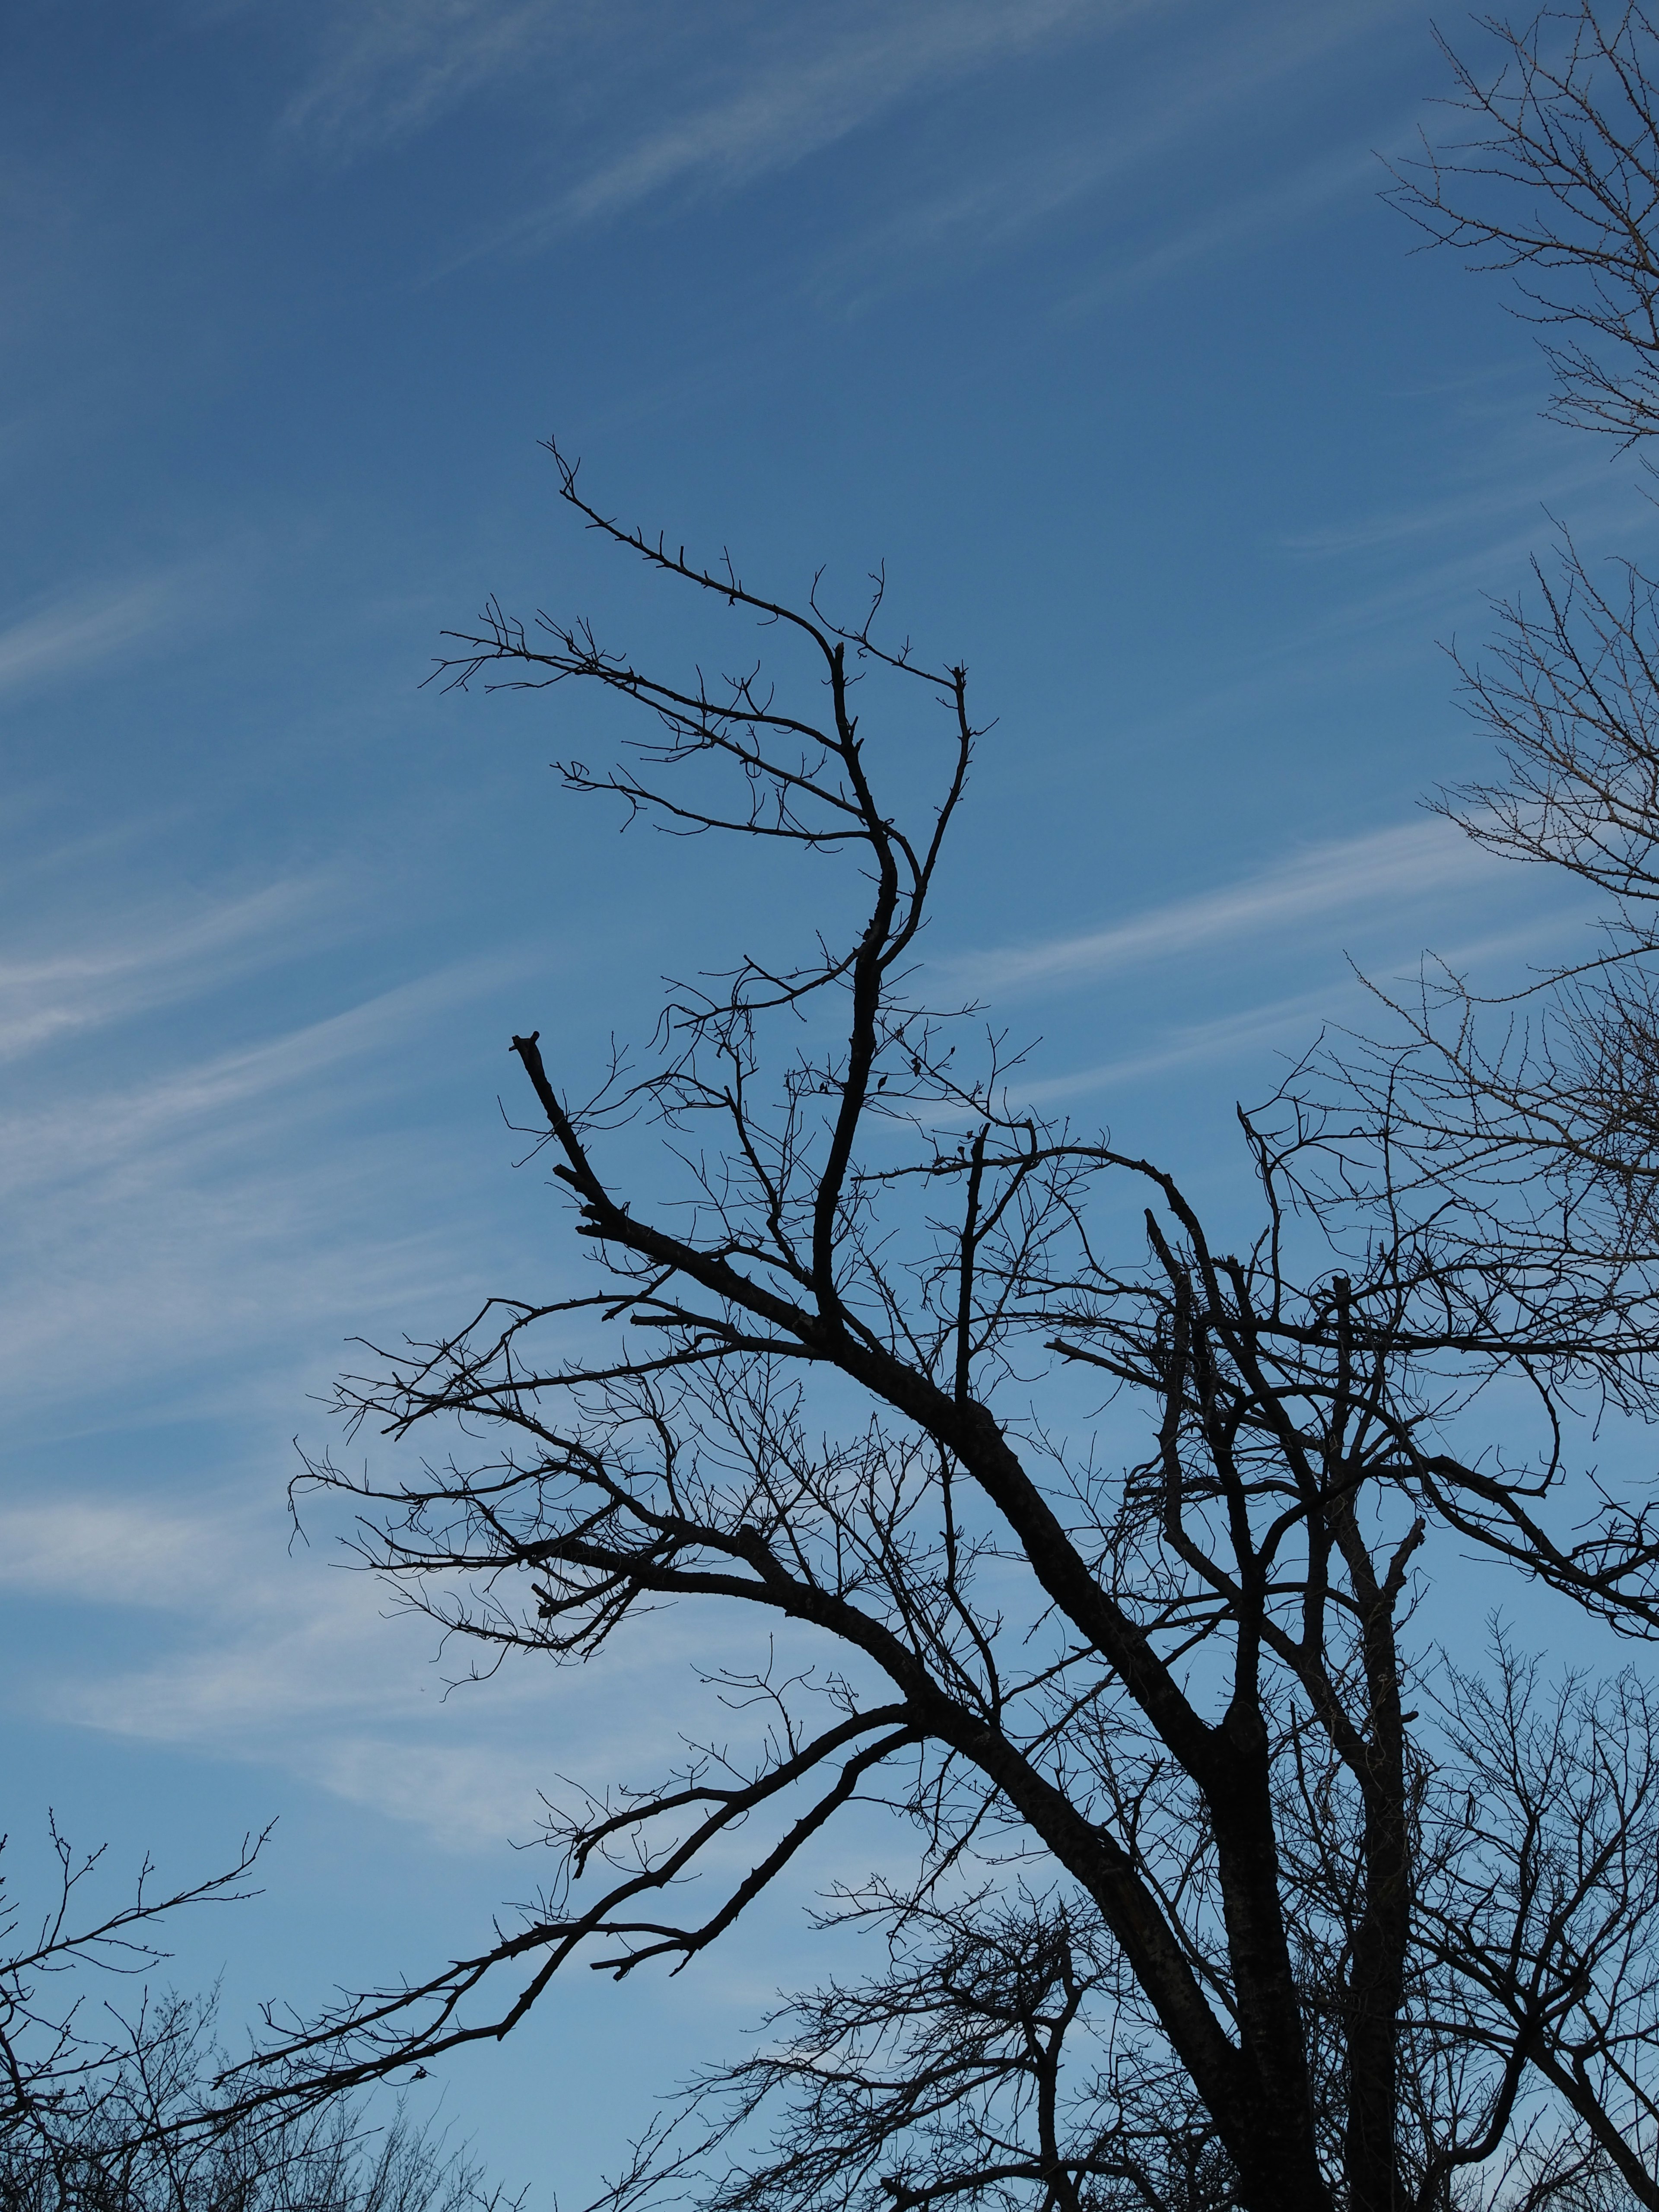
pixel 106 2101
pixel 61 2049
pixel 1529 1121
pixel 140 2135
pixel 1551 174
pixel 1209 1905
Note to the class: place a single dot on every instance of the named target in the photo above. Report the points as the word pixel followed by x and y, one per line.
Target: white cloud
pixel 258 1652
pixel 468 1796
pixel 147 959
pixel 1300 1016
pixel 1239 221
pixel 278 1659
pixel 1296 1020
pixel 389 66
pixel 759 91
pixel 1187 108
pixel 1333 879
pixel 795 106
pixel 202 1226
pixel 75 631
pixel 228 1098
pixel 796 81
pixel 714 102
pixel 109 1551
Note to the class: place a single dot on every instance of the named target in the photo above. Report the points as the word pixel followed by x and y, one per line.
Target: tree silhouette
pixel 1091 1555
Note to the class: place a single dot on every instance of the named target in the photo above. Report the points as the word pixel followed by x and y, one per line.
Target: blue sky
pixel 1085 318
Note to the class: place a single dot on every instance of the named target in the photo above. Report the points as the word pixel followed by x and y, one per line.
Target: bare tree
pixel 1539 1893
pixel 58 2052
pixel 107 2100
pixel 141 2135
pixel 1528 1120
pixel 1553 175
pixel 1095 1565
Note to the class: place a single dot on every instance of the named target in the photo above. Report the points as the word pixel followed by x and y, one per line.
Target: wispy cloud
pixel 1236 222
pixel 1328 880
pixel 389 66
pixel 1185 104
pixel 274 1657
pixel 1508 534
pixel 203 1227
pixel 108 1550
pixel 801 102
pixel 761 91
pixel 769 89
pixel 154 957
pixel 74 632
pixel 1190 1044
pixel 712 106
pixel 1295 1021
pixel 1515 471
pixel 233 1090
pixel 262 1652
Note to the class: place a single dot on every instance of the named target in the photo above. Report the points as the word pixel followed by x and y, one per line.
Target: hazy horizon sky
pixel 1084 317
